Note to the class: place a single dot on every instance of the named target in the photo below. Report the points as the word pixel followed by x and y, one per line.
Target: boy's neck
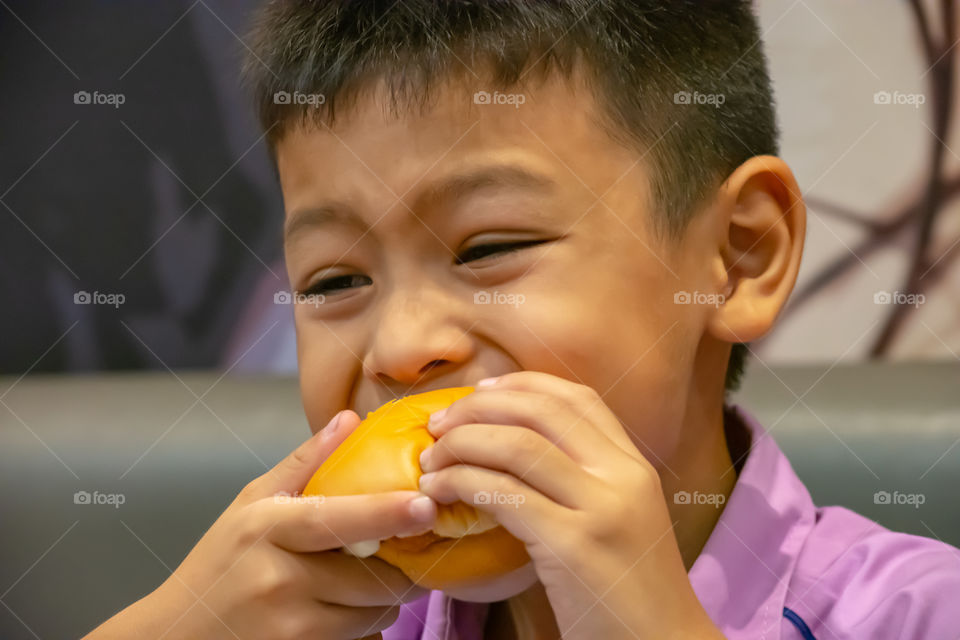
pixel 708 468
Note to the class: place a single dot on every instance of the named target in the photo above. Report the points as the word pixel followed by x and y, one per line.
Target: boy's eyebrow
pixel 459 186
pixel 455 187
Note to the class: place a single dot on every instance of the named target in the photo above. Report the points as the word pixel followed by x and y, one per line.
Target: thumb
pixel 291 474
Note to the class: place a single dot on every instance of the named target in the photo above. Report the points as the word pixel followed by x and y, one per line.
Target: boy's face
pixel 385 205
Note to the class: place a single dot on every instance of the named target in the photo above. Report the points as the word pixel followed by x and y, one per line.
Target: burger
pixel 465 547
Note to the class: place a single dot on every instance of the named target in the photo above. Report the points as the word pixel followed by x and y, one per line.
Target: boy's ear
pixel 762 220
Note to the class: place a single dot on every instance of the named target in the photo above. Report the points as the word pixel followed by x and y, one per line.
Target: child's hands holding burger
pixel 565 478
pixel 267 567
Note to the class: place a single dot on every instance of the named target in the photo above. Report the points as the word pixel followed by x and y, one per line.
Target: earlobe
pixel 762 247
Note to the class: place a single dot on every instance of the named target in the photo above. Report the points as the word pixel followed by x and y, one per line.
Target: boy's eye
pixel 342 283
pixel 484 250
pixel 338 283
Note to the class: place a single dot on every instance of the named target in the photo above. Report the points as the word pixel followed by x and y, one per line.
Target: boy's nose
pixel 412 343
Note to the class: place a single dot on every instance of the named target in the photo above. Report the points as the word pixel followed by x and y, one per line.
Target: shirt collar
pixel 742 574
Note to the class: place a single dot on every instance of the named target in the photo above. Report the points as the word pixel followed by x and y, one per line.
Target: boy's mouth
pixel 363 411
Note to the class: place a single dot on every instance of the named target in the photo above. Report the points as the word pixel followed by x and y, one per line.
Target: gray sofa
pixel 177 449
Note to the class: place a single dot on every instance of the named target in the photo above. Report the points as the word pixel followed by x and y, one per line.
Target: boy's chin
pixel 506 586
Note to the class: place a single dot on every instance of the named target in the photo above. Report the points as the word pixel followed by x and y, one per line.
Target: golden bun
pixel 466 545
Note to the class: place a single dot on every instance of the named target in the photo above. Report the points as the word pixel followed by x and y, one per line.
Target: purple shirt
pixel 776 566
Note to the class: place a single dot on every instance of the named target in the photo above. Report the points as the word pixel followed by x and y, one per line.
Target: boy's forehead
pixel 549 126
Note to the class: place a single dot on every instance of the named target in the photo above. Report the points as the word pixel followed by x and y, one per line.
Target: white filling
pixel 484 522
pixel 362 549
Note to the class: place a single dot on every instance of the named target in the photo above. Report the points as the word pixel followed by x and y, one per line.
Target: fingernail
pixel 433 425
pixel 422 508
pixel 425 457
pixel 426 479
pixel 331 427
pixel 486 382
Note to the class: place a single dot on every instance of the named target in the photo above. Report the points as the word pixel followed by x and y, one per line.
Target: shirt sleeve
pixel 886 585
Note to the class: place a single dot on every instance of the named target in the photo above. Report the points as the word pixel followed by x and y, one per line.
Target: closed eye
pixel 484 250
pixel 345 282
pixel 338 283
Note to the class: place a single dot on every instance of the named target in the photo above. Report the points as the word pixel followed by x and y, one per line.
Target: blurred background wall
pixel 140 230
pixel 158 189
pixel 161 193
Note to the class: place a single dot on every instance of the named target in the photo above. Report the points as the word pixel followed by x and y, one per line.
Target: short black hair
pixel 683 81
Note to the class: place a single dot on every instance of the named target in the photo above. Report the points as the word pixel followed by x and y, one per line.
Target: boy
pixel 581 199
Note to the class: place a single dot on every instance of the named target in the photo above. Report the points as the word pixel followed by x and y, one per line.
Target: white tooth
pixel 362 549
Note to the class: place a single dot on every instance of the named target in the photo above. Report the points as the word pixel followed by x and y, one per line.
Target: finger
pixel 523 511
pixel 291 474
pixel 319 523
pixel 569 429
pixel 519 451
pixel 343 579
pixel 576 395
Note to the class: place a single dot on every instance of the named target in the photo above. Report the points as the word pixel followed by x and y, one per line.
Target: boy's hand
pixel 564 477
pixel 268 568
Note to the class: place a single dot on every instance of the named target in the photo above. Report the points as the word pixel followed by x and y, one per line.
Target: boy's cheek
pixel 651 403
pixel 324 386
pixel 313 404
